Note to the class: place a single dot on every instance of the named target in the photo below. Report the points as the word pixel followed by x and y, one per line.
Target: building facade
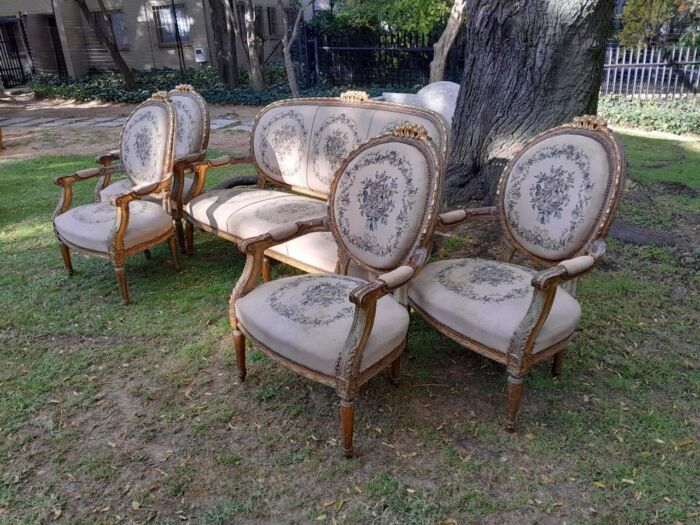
pixel 53 37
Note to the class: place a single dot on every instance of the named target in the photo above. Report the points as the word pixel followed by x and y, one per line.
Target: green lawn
pixel 114 414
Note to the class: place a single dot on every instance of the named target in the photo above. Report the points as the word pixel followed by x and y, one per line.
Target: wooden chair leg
pixel 173 253
pixel 121 277
pixel 514 395
pixel 147 254
pixel 266 270
pixel 239 342
pixel 180 231
pixel 65 252
pixel 347 420
pixel 556 364
pixel 395 371
pixel 189 238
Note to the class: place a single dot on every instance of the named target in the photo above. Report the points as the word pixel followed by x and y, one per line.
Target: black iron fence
pixel 11 69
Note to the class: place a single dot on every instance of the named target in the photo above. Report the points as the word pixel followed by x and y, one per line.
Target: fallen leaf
pixel 135 505
pixel 599 484
pixel 628 481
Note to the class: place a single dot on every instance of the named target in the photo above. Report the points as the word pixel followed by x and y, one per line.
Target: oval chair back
pixel 559 193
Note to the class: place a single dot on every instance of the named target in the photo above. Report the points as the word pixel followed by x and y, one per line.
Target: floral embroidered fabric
pixel 485 281
pixel 554 193
pixel 144 145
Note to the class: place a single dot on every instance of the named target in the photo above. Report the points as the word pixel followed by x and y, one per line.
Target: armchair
pixel 555 203
pixel 335 329
pixel 191 141
pixel 129 222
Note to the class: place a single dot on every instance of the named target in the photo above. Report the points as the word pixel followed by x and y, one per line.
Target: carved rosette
pixel 592 122
pixel 356 97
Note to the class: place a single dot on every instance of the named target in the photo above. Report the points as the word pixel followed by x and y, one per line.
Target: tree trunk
pixel 237 26
pixel 225 53
pixel 109 43
pixel 287 43
pixel 257 82
pixel 442 47
pixel 529 65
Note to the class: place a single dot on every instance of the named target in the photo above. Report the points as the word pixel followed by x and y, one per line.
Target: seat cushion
pixel 124 185
pixel 318 250
pixel 246 212
pixel 307 319
pixel 486 301
pixel 90 226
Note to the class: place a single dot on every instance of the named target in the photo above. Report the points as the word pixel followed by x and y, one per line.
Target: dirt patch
pixel 29 142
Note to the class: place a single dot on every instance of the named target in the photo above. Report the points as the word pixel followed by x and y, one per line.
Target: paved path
pixel 105 122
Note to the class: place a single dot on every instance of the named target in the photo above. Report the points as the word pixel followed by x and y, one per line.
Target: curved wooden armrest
pixel 88 173
pixel 138 192
pixel 282 233
pixel 200 169
pixel 570 268
pixel 107 158
pixel 455 217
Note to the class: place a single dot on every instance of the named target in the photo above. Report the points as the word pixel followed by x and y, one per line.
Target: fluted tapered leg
pixel 514 395
pixel 173 252
pixel 239 341
pixel 65 253
pixel 347 421
pixel 121 277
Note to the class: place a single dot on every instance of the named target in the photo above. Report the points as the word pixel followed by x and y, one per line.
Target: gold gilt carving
pixel 354 96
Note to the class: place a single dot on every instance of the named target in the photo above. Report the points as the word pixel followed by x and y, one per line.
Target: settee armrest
pixel 455 217
pixel 570 268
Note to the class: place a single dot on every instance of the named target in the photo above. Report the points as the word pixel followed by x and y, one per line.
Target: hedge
pixel 108 87
pixel 678 116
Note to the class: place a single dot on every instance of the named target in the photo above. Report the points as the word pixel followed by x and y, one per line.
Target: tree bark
pixel 226 60
pixel 254 44
pixel 287 43
pixel 108 42
pixel 530 65
pixel 442 47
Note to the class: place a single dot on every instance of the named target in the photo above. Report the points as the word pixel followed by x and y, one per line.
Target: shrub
pixel 682 117
pixel 108 87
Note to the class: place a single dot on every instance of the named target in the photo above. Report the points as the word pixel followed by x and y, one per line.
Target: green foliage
pixel 412 16
pixel 109 87
pixel 682 117
pixel 643 19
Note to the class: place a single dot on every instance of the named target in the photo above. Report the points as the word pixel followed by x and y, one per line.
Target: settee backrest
pixel 300 143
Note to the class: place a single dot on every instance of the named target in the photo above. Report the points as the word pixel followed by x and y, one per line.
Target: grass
pixel 113 414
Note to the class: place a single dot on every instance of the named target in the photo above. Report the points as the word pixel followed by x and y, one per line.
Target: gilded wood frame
pixel 117 253
pixel 520 356
pixel 348 377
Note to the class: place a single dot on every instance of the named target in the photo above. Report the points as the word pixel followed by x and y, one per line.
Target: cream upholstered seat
pixel 336 329
pixel 309 316
pixel 128 223
pixel 89 226
pixel 238 213
pixel 297 145
pixel 191 141
pixel 487 300
pixel 556 200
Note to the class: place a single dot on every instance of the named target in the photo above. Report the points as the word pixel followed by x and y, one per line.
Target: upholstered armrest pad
pixel 219 161
pixel 80 175
pixel 577 264
pixel 188 159
pixel 450 218
pixel 109 156
pixel 397 277
pixel 453 217
pixel 140 190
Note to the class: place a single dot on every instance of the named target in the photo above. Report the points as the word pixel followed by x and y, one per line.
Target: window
pixel 272 20
pixel 165 25
pixel 116 20
pixel 291 15
pixel 259 22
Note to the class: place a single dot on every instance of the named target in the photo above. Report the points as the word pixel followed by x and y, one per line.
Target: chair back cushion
pixel 300 143
pixel 192 121
pixel 558 194
pixel 383 199
pixel 147 141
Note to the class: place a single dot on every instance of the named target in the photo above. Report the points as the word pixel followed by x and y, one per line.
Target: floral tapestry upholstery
pixel 281 142
pixel 290 315
pixel 555 193
pixel 336 132
pixel 242 212
pixel 303 144
pixel 486 301
pixel 190 122
pixel 91 225
pixel 145 144
pixel 380 201
pixel 122 186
